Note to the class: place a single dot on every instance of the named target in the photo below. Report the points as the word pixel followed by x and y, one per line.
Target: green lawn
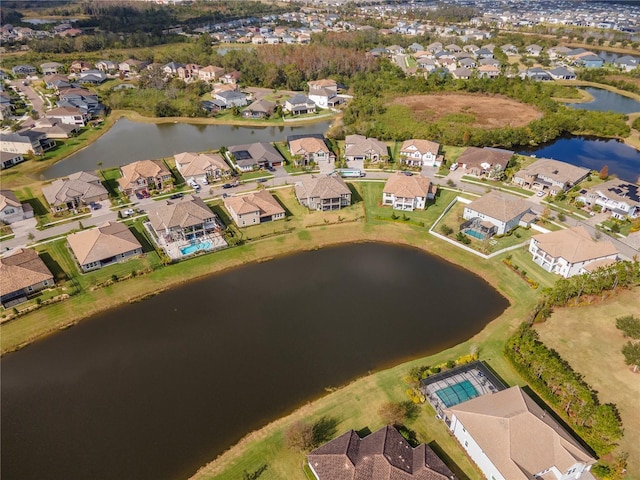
pixel 253 175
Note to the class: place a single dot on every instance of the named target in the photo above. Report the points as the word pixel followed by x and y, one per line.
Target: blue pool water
pixel 458 393
pixel 194 247
pixel 474 234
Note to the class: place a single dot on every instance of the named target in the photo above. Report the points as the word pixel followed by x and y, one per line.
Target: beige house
pixel 323 192
pixel 253 209
pixel 307 149
pixel 620 198
pixel 98 247
pixel 359 147
pixel 210 73
pixel 324 93
pixel 510 437
pixel 409 193
pixel 550 176
pixel 22 274
pixel 144 175
pixel 9 159
pixel 184 219
pixel 417 153
pixel 571 252
pixel 484 161
pixel 11 210
pixel 77 190
pixel 495 214
pixel 201 166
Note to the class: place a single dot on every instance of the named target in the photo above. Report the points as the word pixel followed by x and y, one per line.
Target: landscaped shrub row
pixel 564 389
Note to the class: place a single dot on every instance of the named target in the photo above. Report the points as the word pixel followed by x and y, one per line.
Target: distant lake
pixel 593 153
pixel 604 100
pixel 155 389
pixel 129 141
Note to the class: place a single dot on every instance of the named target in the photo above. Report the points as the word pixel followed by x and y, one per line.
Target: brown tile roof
pixel 262 202
pixel 404 186
pixel 301 146
pixel 79 184
pixel 517 435
pixel 423 146
pixel 141 169
pixel 359 145
pixel 100 243
pixel 323 83
pixel 21 270
pixel 190 164
pixel 382 455
pixel 574 245
pixel 499 206
pixel 323 187
pixel 475 157
pixel 559 171
pixel 188 212
pixel 8 198
pixel 64 111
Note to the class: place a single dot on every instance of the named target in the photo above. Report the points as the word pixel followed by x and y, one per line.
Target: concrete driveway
pixel 32 96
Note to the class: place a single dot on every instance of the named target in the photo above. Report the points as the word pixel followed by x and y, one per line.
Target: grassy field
pixel 587 338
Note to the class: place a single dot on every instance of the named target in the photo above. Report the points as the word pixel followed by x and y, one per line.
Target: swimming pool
pixel 457 393
pixel 474 234
pixel 194 247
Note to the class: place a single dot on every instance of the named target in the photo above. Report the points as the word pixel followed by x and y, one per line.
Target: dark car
pixel 407 173
pixel 262 180
pixel 95 206
pixel 176 196
pixel 271 169
pixel 227 185
pixel 139 196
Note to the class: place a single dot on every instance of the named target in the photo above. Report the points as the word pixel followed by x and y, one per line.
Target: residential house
pixel 536 73
pixel 305 149
pixel 79 66
pixel 189 71
pixel 24 70
pixel 11 210
pixel 210 73
pixel 184 219
pixel 626 63
pixel 106 66
pixel 171 68
pixel 509 49
pixel 80 98
pixel 550 176
pixel 620 198
pixel 484 53
pixel 382 455
pixel 496 214
pixel 323 192
pixel 510 437
pixel 56 82
pixel 75 191
pixel 107 244
pixel 484 161
pixel 22 274
pixel 324 93
pixel 131 66
pixel 259 109
pixel 231 78
pixel 533 50
pixel 92 77
pixel 488 71
pixel 9 159
pixel 54 128
pixel 229 99
pixel 418 153
pixel 144 175
pixel 571 252
pixel 253 209
pixel 299 105
pixel 561 73
pixel 252 156
pixel 359 147
pixel 462 73
pixel 26 142
pixel 404 192
pixel 69 116
pixel 590 61
pixel 201 166
pixel 51 68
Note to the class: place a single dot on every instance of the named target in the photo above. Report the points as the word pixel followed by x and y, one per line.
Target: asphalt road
pixel 31 95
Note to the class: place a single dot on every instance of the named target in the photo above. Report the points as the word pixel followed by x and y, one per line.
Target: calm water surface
pixel 594 153
pixel 156 389
pixel 129 141
pixel 605 100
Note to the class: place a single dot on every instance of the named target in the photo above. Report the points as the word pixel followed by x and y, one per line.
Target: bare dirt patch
pixel 482 111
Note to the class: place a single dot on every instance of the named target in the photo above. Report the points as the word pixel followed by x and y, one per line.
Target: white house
pixel 410 193
pixel 504 212
pixel 621 198
pixel 11 210
pixel 571 252
pixel 324 93
pixel 550 176
pixel 69 116
pixel 417 153
pixel 510 437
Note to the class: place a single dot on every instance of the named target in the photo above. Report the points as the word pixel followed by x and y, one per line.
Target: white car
pixel 453 167
pixel 540 194
pixel 204 181
pixel 128 212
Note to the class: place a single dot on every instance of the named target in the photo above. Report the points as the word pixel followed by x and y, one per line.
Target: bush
pixel 446 230
pixel 629 325
pixel 299 435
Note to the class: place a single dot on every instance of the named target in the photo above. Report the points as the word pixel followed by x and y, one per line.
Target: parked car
pixel 95 206
pixel 262 180
pixel 204 181
pixel 128 212
pixel 176 196
pixel 225 195
pixel 271 169
pixel 145 194
pixel 540 194
pixel 407 173
pixel 453 167
pixel 227 185
pixel 139 195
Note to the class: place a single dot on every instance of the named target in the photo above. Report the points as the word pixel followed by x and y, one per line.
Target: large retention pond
pixel 129 141
pixel 605 100
pixel 156 389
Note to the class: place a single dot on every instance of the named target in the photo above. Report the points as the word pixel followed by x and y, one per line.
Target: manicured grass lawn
pixel 451 153
pixel 34 198
pixel 588 339
pixel 253 175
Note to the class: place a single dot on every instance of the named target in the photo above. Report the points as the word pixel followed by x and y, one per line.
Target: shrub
pixel 446 230
pixel 299 435
pixel 629 325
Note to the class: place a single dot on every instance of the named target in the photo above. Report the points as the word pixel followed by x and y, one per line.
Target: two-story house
pixel 620 198
pixel 254 208
pixel 408 193
pixel 144 175
pixel 550 176
pixel 305 149
pixel 323 192
pixel 418 153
